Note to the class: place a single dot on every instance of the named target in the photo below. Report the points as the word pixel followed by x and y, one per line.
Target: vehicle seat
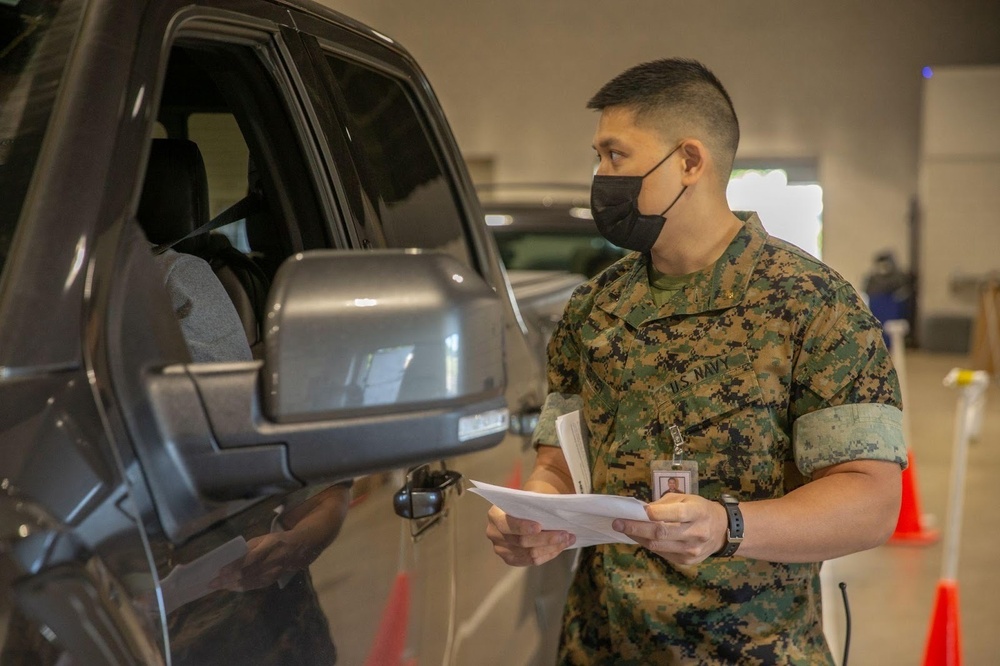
pixel 174 203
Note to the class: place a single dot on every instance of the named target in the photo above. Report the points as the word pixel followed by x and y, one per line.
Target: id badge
pixel 676 475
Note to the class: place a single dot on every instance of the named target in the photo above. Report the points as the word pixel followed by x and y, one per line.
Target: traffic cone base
pixel 944 641
pixel 910 527
pixel 921 537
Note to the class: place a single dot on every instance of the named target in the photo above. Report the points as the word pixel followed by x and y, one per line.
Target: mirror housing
pixel 378 333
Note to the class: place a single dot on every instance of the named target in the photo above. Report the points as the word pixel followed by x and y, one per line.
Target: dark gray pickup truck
pixel 254 337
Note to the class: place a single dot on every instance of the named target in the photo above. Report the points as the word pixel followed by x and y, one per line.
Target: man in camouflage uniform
pixel 767 362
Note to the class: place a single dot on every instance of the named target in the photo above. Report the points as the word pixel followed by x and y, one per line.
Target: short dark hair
pixel 678 87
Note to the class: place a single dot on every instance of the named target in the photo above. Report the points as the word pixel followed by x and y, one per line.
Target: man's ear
pixel 694 159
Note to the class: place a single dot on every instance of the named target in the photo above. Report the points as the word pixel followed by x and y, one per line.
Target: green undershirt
pixel 663 287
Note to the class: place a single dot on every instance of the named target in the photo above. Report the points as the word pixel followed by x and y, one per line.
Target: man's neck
pixel 690 243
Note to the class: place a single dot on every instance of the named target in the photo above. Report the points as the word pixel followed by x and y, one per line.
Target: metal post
pixel 972 384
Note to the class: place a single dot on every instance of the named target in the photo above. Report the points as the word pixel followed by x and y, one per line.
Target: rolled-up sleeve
pixel 563 369
pixel 845 401
pixel 556 404
pixel 862 431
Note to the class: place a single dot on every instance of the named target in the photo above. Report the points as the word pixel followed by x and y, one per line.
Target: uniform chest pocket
pixel 596 390
pixel 600 405
pixel 731 433
pixel 714 401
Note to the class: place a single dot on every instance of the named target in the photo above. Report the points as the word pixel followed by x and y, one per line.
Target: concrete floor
pixel 891 588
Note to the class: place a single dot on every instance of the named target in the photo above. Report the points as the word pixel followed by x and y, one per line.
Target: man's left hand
pixel 684 529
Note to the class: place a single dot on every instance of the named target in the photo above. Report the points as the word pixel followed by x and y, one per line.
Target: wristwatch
pixel 734 532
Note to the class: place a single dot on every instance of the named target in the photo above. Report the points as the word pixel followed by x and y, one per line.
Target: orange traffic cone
pixel 390 640
pixel 513 479
pixel 910 528
pixel 944 642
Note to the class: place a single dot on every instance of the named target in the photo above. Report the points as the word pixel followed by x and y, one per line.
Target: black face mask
pixel 614 202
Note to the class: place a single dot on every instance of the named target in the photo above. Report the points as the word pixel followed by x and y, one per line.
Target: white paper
pixel 573 442
pixel 587 516
pixel 187 582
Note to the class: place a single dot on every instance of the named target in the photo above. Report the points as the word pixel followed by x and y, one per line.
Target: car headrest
pixel 174 198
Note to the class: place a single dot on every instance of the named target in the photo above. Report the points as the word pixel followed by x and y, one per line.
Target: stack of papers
pixel 587 516
pixel 573 441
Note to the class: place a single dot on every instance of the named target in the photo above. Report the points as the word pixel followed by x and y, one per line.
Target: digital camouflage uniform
pixel 772 367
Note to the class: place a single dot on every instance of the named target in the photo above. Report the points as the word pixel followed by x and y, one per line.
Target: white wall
pixel 959 184
pixel 836 81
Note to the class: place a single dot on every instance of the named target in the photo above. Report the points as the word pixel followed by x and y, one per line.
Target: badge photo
pixel 678 478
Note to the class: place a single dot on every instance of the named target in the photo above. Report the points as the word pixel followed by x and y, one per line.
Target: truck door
pixel 305 575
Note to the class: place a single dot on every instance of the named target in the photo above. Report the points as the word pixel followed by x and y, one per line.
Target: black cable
pixel 847 615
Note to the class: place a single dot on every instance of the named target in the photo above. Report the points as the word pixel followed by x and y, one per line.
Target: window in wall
pixel 788 199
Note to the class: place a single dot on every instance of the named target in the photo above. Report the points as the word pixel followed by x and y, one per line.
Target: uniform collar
pixel 723 287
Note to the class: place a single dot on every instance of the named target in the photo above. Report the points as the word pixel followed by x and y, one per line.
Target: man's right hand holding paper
pixel 521 542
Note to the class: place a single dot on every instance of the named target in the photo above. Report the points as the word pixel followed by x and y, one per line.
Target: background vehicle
pixel 546 235
pixel 547 227
pixel 317 481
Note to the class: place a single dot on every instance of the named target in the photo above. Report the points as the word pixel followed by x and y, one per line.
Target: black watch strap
pixel 734 532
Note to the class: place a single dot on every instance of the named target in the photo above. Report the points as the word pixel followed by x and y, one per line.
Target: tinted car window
pixel 34 46
pixel 402 176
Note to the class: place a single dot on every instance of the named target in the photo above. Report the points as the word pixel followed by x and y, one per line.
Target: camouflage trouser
pixel 613 615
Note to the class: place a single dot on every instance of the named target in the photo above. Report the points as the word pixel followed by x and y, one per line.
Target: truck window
pixel 403 178
pixel 230 131
pixel 217 99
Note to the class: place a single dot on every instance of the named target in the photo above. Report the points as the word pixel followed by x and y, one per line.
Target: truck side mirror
pixel 378 333
pixel 373 361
